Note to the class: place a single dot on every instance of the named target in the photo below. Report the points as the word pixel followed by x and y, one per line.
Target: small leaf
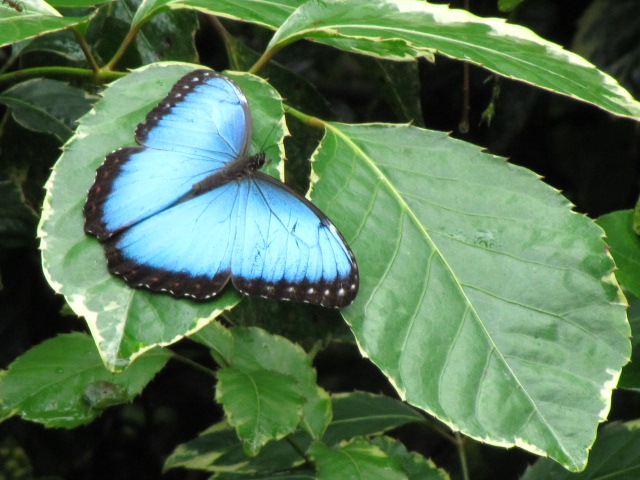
pixel 254 349
pixel 218 449
pixel 415 466
pixel 363 414
pixel 625 247
pixel 49 384
pixel 47 106
pixel 17 220
pixel 358 460
pixel 219 339
pixel 616 454
pixel 508 5
pixel 262 405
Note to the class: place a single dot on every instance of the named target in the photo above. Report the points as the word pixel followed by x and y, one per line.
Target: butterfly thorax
pixel 237 170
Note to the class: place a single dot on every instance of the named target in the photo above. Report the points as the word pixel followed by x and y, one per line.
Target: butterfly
pixel 186 211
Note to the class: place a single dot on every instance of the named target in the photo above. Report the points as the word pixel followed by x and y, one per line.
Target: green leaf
pixel 218 449
pixel 355 414
pixel 299 474
pixel 358 460
pixel 63 383
pixel 268 13
pixel 630 378
pixel 363 414
pixel 479 287
pixel 508 5
pixel 404 29
pixel 615 455
pixel 257 349
pixel 127 322
pixel 399 85
pixel 47 106
pixel 415 466
pixel 36 18
pixel 17 219
pixel 254 349
pixel 219 339
pixel 262 405
pixel 625 247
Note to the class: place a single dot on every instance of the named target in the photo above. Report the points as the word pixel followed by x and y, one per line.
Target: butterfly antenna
pixel 267 138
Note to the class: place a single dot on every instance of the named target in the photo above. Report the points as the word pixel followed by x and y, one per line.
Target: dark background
pixel 588 154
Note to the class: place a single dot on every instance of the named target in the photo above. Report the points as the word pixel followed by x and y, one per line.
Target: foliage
pixel 491 307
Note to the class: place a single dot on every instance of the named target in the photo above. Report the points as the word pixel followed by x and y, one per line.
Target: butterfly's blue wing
pixel 185 250
pixel 186 210
pixel 286 248
pixel 201 126
pixel 270 241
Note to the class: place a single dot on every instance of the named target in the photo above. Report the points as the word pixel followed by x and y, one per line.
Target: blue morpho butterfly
pixel 187 210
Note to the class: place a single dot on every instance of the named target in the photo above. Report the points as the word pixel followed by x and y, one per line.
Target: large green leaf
pixel 36 18
pixel 625 247
pixel 126 322
pixel 403 29
pixel 483 297
pixel 63 383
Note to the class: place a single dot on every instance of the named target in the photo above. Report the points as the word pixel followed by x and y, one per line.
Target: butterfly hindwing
pixel 286 248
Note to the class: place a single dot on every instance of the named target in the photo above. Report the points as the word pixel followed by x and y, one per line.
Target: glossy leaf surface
pixel 479 287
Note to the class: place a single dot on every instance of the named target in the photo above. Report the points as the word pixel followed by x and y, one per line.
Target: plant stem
pixel 314 122
pixel 262 61
pixel 82 41
pixel 193 364
pixel 227 39
pixel 57 72
pixel 122 49
pixel 462 455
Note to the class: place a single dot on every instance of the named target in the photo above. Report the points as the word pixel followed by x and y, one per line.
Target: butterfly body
pixel 188 211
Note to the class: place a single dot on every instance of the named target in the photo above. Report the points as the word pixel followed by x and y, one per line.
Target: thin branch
pixel 82 41
pixel 462 455
pixel 131 35
pixel 58 72
pixel 314 122
pixel 193 364
pixel 262 61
